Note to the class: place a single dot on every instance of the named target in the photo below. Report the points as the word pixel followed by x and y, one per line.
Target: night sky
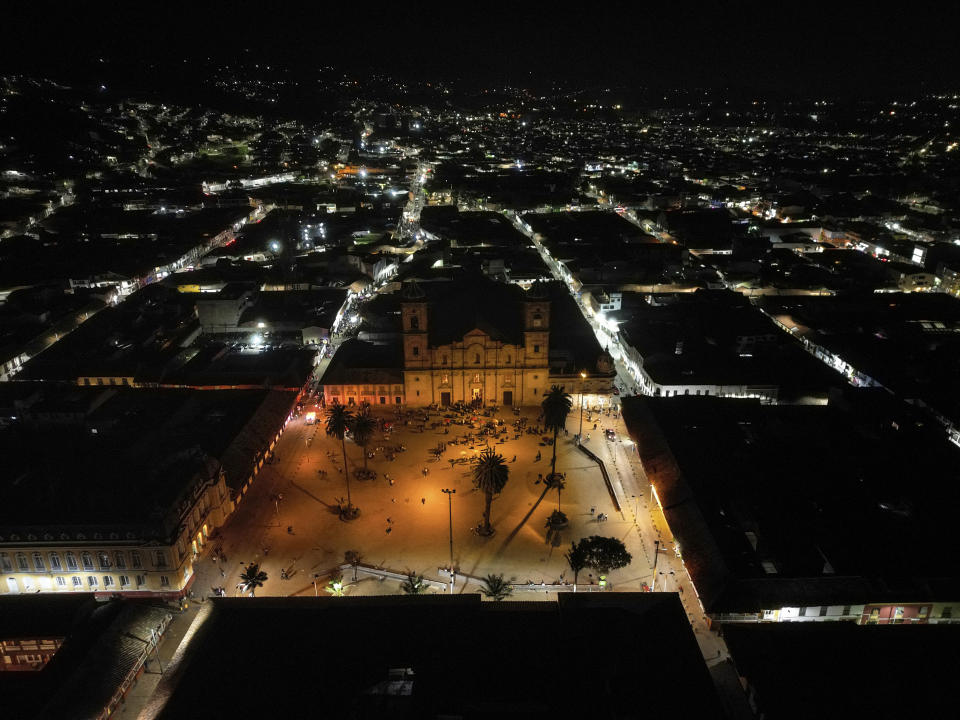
pixel 803 49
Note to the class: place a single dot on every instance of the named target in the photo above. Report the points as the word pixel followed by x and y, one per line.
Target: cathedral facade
pixel 486 345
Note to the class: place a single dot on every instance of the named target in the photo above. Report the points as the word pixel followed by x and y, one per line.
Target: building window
pixel 443 360
pixel 55 562
pixel 164 581
pixel 418 392
pixel 508 359
pixel 534 391
pixel 87 561
pixel 846 610
pixel 61 582
pixel 476 358
pixel 5 562
pixel 476 377
pixel 77 582
pixel 121 560
pixel 414 322
pixel 135 559
pixel 947 612
pixel 397 400
pixel 38 562
pixel 537 320
pixel 108 581
pixel 22 562
pixel 383 400
pixel 159 558
pixel 91 581
pixel 416 351
pixel 124 581
pixel 803 612
pixel 141 580
pixel 104 560
pixel 536 348
pixel 71 561
pixel 823 611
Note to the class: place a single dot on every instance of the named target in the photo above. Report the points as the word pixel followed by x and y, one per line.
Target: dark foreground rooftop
pixel 843 670
pixel 617 655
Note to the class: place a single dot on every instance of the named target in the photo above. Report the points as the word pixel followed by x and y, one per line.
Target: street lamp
pixel 583 379
pixel 316 593
pixel 450 493
pixel 656 556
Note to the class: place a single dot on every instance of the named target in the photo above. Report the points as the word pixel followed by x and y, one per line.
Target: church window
pixel 476 377
pixel 476 358
pixel 444 360
pixel 508 359
pixel 536 348
pixel 537 320
pixel 416 351
pixel 414 322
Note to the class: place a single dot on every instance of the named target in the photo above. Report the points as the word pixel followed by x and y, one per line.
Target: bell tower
pixel 536 326
pixel 414 317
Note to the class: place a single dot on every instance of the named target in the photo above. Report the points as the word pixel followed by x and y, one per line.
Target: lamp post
pixel 583 378
pixel 450 493
pixel 316 593
pixel 656 556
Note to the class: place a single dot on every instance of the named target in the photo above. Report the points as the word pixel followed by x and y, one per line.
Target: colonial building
pixel 120 492
pixel 481 342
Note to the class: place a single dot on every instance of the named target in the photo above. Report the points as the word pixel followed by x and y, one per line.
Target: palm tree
pixel 339 418
pixel 362 427
pixel 414 584
pixel 577 558
pixel 252 577
pixel 556 482
pixel 335 585
pixel 490 475
pixel 556 406
pixel 495 587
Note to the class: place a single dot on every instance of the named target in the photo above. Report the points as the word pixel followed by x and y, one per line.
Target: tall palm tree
pixel 414 584
pixel 362 427
pixel 339 418
pixel 556 406
pixel 556 482
pixel 252 577
pixel 496 588
pixel 490 475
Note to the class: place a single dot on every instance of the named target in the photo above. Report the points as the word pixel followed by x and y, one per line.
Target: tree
pixel 252 577
pixel 490 475
pixel 556 482
pixel 556 406
pixel 414 584
pixel 577 559
pixel 362 427
pixel 335 585
pixel 605 554
pixel 339 418
pixel 495 587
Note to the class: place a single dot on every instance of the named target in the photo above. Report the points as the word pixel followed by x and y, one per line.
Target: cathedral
pixel 477 342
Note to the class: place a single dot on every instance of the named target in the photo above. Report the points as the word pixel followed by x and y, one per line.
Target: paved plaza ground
pixel 415 512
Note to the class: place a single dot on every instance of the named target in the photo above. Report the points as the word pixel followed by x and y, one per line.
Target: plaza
pixel 289 519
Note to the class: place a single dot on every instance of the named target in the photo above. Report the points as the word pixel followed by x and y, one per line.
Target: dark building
pixel 622 655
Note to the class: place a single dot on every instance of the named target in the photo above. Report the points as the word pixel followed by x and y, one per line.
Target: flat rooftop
pixel 465 658
pixel 776 502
